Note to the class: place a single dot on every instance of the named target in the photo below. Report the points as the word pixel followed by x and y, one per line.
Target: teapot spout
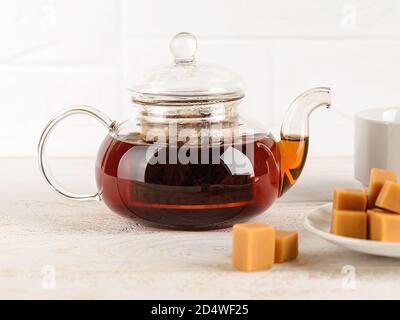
pixel 295 134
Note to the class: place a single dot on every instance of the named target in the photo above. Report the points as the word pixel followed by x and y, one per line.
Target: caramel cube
pixel 369 212
pixel 377 179
pixel 383 226
pixel 348 223
pixel 389 197
pixel 349 199
pixel 253 246
pixel 286 246
pixel 369 204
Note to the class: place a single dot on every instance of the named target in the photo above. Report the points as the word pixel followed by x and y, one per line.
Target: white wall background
pixel 57 53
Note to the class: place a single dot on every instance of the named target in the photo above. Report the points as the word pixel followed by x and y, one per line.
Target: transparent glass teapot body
pixel 186 160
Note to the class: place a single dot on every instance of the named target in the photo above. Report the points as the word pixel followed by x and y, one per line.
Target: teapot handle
pixel 92 112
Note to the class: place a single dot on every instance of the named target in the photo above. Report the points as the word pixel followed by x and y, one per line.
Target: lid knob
pixel 183 46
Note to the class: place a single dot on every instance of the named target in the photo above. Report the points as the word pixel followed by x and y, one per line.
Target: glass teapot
pixel 185 159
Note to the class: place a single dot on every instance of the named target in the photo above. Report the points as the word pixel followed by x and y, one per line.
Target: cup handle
pixel 89 111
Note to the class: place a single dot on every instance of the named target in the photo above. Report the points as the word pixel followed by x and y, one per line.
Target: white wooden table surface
pixel 55 248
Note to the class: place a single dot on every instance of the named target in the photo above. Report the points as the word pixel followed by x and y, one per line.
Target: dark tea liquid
pixel 194 195
pixel 294 150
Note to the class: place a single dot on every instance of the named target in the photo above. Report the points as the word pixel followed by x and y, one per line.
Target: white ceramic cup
pixel 377 142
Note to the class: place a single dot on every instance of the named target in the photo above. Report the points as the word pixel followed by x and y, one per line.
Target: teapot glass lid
pixel 186 81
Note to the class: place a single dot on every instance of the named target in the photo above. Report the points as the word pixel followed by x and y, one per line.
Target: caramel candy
pixel 349 223
pixel 383 226
pixel 253 246
pixel 389 197
pixel 377 179
pixel 366 191
pixel 349 199
pixel 286 246
pixel 369 212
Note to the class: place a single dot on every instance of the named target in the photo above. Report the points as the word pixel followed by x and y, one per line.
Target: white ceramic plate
pixel 318 221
